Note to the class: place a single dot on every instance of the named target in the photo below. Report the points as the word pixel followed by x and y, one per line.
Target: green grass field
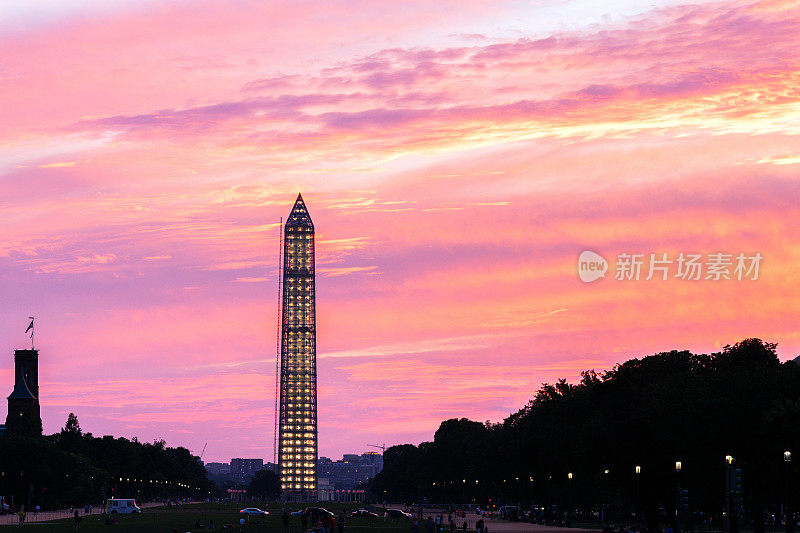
pixel 166 520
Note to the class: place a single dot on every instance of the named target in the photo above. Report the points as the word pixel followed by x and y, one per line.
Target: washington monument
pixel 297 447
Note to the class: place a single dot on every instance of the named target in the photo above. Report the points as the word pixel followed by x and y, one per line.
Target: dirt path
pixel 44 516
pixel 501 526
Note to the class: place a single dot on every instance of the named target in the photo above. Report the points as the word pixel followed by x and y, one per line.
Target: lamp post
pixel 726 524
pixel 603 506
pixel 787 460
pixel 530 490
pixel 638 471
pixel 678 467
pixel 569 510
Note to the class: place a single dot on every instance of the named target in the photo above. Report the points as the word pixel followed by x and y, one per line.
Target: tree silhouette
pixel 72 426
pixel 265 484
pixel 648 412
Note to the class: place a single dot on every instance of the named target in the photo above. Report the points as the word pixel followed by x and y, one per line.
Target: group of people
pixel 436 525
pixel 76 514
pixel 327 522
pixel 609 528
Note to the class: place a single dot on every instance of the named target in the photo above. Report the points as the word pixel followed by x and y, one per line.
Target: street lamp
pixel 678 467
pixel 569 511
pixel 638 470
pixel 730 479
pixel 787 460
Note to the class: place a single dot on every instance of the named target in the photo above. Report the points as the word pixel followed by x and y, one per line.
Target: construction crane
pixel 381 448
pixel 204 451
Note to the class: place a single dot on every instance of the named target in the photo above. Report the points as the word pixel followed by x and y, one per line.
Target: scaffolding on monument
pixel 297 444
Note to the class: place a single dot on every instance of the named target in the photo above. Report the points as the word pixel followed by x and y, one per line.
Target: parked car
pixel 364 513
pixel 396 513
pixel 254 510
pixel 313 512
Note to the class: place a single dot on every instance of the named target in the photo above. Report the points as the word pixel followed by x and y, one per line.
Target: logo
pixel 718 266
pixel 591 266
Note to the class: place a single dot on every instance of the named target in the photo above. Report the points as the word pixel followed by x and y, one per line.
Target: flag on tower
pixel 30 327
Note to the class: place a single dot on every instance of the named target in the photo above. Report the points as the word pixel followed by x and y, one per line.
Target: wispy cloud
pixel 423 346
pixel 344 271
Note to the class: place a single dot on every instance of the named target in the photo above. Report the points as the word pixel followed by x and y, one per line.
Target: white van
pixel 120 505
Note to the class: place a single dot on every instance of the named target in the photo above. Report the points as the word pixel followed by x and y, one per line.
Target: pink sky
pixel 456 158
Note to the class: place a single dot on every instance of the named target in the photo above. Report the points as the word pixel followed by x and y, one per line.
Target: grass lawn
pixel 162 519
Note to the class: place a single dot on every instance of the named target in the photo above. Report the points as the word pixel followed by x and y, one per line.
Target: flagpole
pixel 33 330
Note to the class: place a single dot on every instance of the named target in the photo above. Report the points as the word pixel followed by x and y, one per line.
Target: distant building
pixel 351 471
pixel 218 468
pixel 238 472
pixel 325 490
pixel 246 467
pixel 24 417
pixel 374 458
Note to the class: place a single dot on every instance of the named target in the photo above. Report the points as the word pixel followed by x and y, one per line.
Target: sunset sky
pixel 456 158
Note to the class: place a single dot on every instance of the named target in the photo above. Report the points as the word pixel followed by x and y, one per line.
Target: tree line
pixel 72 468
pixel 577 446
